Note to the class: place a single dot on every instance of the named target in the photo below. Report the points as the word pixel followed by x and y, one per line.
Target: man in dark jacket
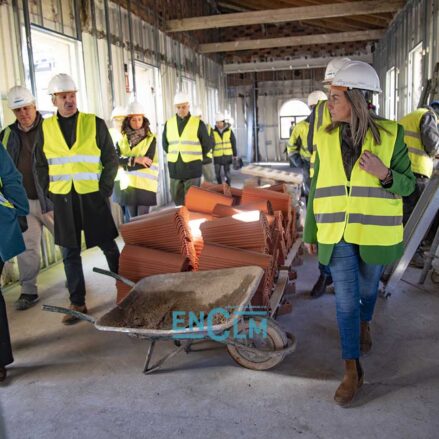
pixel 187 144
pixel 77 164
pixel 19 140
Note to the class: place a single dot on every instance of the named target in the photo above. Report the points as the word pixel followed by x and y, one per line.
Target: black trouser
pixel 409 202
pixel 226 173
pixel 5 339
pixel 75 275
pixel 135 210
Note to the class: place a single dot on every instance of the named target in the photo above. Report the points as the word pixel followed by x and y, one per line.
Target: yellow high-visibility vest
pixel 321 121
pixel 6 137
pixel 115 134
pixel 187 145
pixel 367 214
pixel 422 163
pixel 300 131
pixel 223 146
pixel 79 165
pixel 147 178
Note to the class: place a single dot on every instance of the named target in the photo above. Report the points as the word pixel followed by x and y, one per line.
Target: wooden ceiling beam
pixel 296 64
pixel 284 15
pixel 376 20
pixel 305 40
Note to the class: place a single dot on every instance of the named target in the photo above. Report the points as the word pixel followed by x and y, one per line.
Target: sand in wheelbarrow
pixel 154 310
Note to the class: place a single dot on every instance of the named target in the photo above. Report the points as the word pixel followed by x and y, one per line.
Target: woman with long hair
pixel 138 157
pixel 354 213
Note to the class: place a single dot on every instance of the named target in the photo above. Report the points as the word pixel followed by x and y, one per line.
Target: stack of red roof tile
pixel 137 262
pixel 195 221
pixel 278 200
pixel 160 242
pixel 246 230
pixel 224 189
pixel 215 256
pixel 262 205
pixel 164 230
pixel 220 211
pixel 204 201
pixel 280 187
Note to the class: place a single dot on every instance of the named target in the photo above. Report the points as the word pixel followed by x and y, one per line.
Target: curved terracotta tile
pixel 204 201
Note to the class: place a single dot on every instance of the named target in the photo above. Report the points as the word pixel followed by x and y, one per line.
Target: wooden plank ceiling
pixel 273 31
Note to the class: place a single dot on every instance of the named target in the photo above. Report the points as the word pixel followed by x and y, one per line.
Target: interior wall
pixel 416 23
pixel 108 83
pixel 270 96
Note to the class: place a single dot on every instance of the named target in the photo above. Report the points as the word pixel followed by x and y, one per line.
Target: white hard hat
pixel 118 111
pixel 135 107
pixel 315 97
pixel 358 74
pixel 197 112
pixel 181 98
pixel 220 117
pixel 61 83
pixel 19 96
pixel 333 67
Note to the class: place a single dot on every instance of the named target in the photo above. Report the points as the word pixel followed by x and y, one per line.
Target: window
pixel 189 87
pixel 146 92
pixel 414 78
pixel 290 114
pixel 390 97
pixel 52 54
pixel 212 103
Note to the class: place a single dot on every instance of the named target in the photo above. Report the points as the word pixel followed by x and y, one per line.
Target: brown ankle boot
pixel 352 381
pixel 365 338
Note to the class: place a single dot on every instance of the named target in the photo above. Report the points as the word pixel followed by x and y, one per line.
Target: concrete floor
pixel 76 381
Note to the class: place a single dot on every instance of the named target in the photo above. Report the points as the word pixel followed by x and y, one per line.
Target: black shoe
pixel 417 260
pixel 320 286
pixel 25 301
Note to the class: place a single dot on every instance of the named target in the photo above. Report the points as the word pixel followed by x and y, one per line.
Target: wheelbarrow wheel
pixel 264 356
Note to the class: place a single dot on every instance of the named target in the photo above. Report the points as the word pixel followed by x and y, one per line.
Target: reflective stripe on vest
pixel 223 145
pixel 147 178
pixel 321 120
pixel 187 145
pixel 300 131
pixel 4 202
pixel 79 165
pixel 421 162
pixel 367 214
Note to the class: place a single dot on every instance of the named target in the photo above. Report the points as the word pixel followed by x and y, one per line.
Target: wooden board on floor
pixel 278 292
pixel 291 254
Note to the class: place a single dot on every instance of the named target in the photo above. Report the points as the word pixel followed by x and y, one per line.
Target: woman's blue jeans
pixel 356 290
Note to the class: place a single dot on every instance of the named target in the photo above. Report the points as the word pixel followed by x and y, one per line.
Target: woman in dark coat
pixel 138 157
pixel 13 203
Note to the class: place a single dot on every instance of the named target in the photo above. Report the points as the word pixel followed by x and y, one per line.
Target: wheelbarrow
pixel 193 307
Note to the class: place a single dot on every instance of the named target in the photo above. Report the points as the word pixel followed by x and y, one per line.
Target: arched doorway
pixel 291 112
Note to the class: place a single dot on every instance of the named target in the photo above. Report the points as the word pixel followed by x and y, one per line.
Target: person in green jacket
pixel 354 216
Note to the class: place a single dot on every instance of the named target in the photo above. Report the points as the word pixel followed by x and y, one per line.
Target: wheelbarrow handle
pixel 70 312
pixel 126 281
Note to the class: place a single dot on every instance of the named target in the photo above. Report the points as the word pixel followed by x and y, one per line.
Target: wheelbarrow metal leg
pixel 149 355
pixel 159 363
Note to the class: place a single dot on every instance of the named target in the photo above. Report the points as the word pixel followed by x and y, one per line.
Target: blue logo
pixel 193 322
